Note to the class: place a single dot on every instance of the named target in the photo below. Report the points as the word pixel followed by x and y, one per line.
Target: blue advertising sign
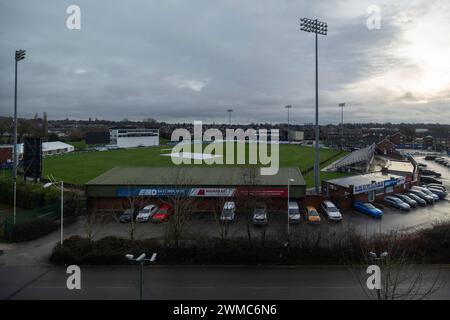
pixel 368 187
pixel 151 192
pixel 390 183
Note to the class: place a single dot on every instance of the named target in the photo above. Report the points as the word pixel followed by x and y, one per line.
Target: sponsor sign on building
pixel 368 187
pixel 201 192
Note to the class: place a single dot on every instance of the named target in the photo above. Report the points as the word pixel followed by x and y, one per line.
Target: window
pixel 389 189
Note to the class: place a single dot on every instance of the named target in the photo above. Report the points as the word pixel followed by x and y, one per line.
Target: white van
pixel 294 212
pixel 228 211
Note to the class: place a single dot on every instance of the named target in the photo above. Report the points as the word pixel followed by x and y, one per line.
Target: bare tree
pixel 404 276
pixel 134 201
pixel 182 207
pixel 223 225
pixel 247 197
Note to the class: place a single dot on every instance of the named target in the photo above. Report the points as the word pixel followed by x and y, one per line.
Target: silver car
pixel 331 211
pixel 396 203
pixel 260 215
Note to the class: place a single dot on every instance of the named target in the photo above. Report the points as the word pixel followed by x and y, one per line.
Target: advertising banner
pixel 212 192
pixel 267 192
pixel 151 192
pixel 368 187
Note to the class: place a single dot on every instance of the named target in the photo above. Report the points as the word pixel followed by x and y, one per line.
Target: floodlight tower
pixel 229 115
pixel 318 28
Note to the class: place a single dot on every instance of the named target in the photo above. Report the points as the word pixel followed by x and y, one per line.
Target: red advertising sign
pixel 267 192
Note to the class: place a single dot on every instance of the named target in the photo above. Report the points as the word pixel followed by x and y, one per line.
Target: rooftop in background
pixel 213 176
pixel 362 179
pixel 400 166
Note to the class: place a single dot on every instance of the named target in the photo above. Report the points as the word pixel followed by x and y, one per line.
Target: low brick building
pixel 112 190
pixel 370 187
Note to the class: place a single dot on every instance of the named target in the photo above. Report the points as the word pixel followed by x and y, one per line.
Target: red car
pixel 162 214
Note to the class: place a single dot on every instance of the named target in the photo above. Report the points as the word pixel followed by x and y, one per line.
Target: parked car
pixel 331 211
pixel 412 203
pixel 146 213
pixel 428 179
pixel 163 214
pixel 228 211
pixel 294 212
pixel 428 172
pixel 260 215
pixel 437 185
pixel 422 165
pixel 426 191
pixel 439 192
pixel 368 208
pixel 396 203
pixel 421 202
pixel 127 215
pixel 427 198
pixel 312 216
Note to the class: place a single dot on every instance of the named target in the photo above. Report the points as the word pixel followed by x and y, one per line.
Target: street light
pixel 229 115
pixel 378 259
pixel 288 197
pixel 317 27
pixel 342 105
pixel 288 107
pixel 58 185
pixel 141 260
pixel 20 55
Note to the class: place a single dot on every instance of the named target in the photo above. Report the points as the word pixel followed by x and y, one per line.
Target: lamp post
pixel 141 260
pixel 317 27
pixel 20 55
pixel 342 105
pixel 288 107
pixel 378 260
pixel 229 115
pixel 59 185
pixel 288 197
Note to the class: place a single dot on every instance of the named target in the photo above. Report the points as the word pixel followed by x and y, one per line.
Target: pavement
pixel 193 283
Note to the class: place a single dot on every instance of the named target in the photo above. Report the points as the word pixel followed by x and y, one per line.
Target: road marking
pixel 28 284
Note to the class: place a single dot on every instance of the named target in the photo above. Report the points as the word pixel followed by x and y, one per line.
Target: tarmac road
pixel 191 283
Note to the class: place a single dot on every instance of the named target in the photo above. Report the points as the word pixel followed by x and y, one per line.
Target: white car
pixel 294 212
pixel 331 211
pixel 146 213
pixel 228 211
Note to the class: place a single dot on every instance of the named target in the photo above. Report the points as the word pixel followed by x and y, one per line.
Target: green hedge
pixel 31 230
pixel 112 250
pixel 30 195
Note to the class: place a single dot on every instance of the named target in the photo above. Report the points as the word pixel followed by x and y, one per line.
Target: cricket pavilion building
pixel 111 191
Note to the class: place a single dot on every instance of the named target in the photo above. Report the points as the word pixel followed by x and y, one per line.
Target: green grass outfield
pixel 79 168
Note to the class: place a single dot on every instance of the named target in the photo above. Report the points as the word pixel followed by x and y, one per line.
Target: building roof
pixel 195 175
pixel 55 145
pixel 400 166
pixel 362 179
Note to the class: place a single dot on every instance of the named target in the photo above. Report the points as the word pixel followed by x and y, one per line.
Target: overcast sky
pixel 185 60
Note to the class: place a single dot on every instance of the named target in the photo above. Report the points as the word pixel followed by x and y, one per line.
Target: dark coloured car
pixel 421 202
pixel 396 203
pixel 412 203
pixel 127 215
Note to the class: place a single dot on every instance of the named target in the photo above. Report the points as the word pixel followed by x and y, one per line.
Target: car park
pixel 228 211
pixel 427 192
pixel 312 216
pixel 427 198
pixel 368 208
pixel 331 211
pixel 396 203
pixel 294 212
pixel 260 215
pixel 127 216
pixel 412 203
pixel 421 202
pixel 146 213
pixel 429 172
pixel 163 214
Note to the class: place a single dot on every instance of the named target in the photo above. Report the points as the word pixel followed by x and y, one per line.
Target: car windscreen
pixel 227 212
pixel 369 206
pixel 332 209
pixel 313 213
pixel 145 211
pixel 293 211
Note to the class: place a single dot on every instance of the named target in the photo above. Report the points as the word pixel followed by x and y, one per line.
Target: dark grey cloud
pixel 177 60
